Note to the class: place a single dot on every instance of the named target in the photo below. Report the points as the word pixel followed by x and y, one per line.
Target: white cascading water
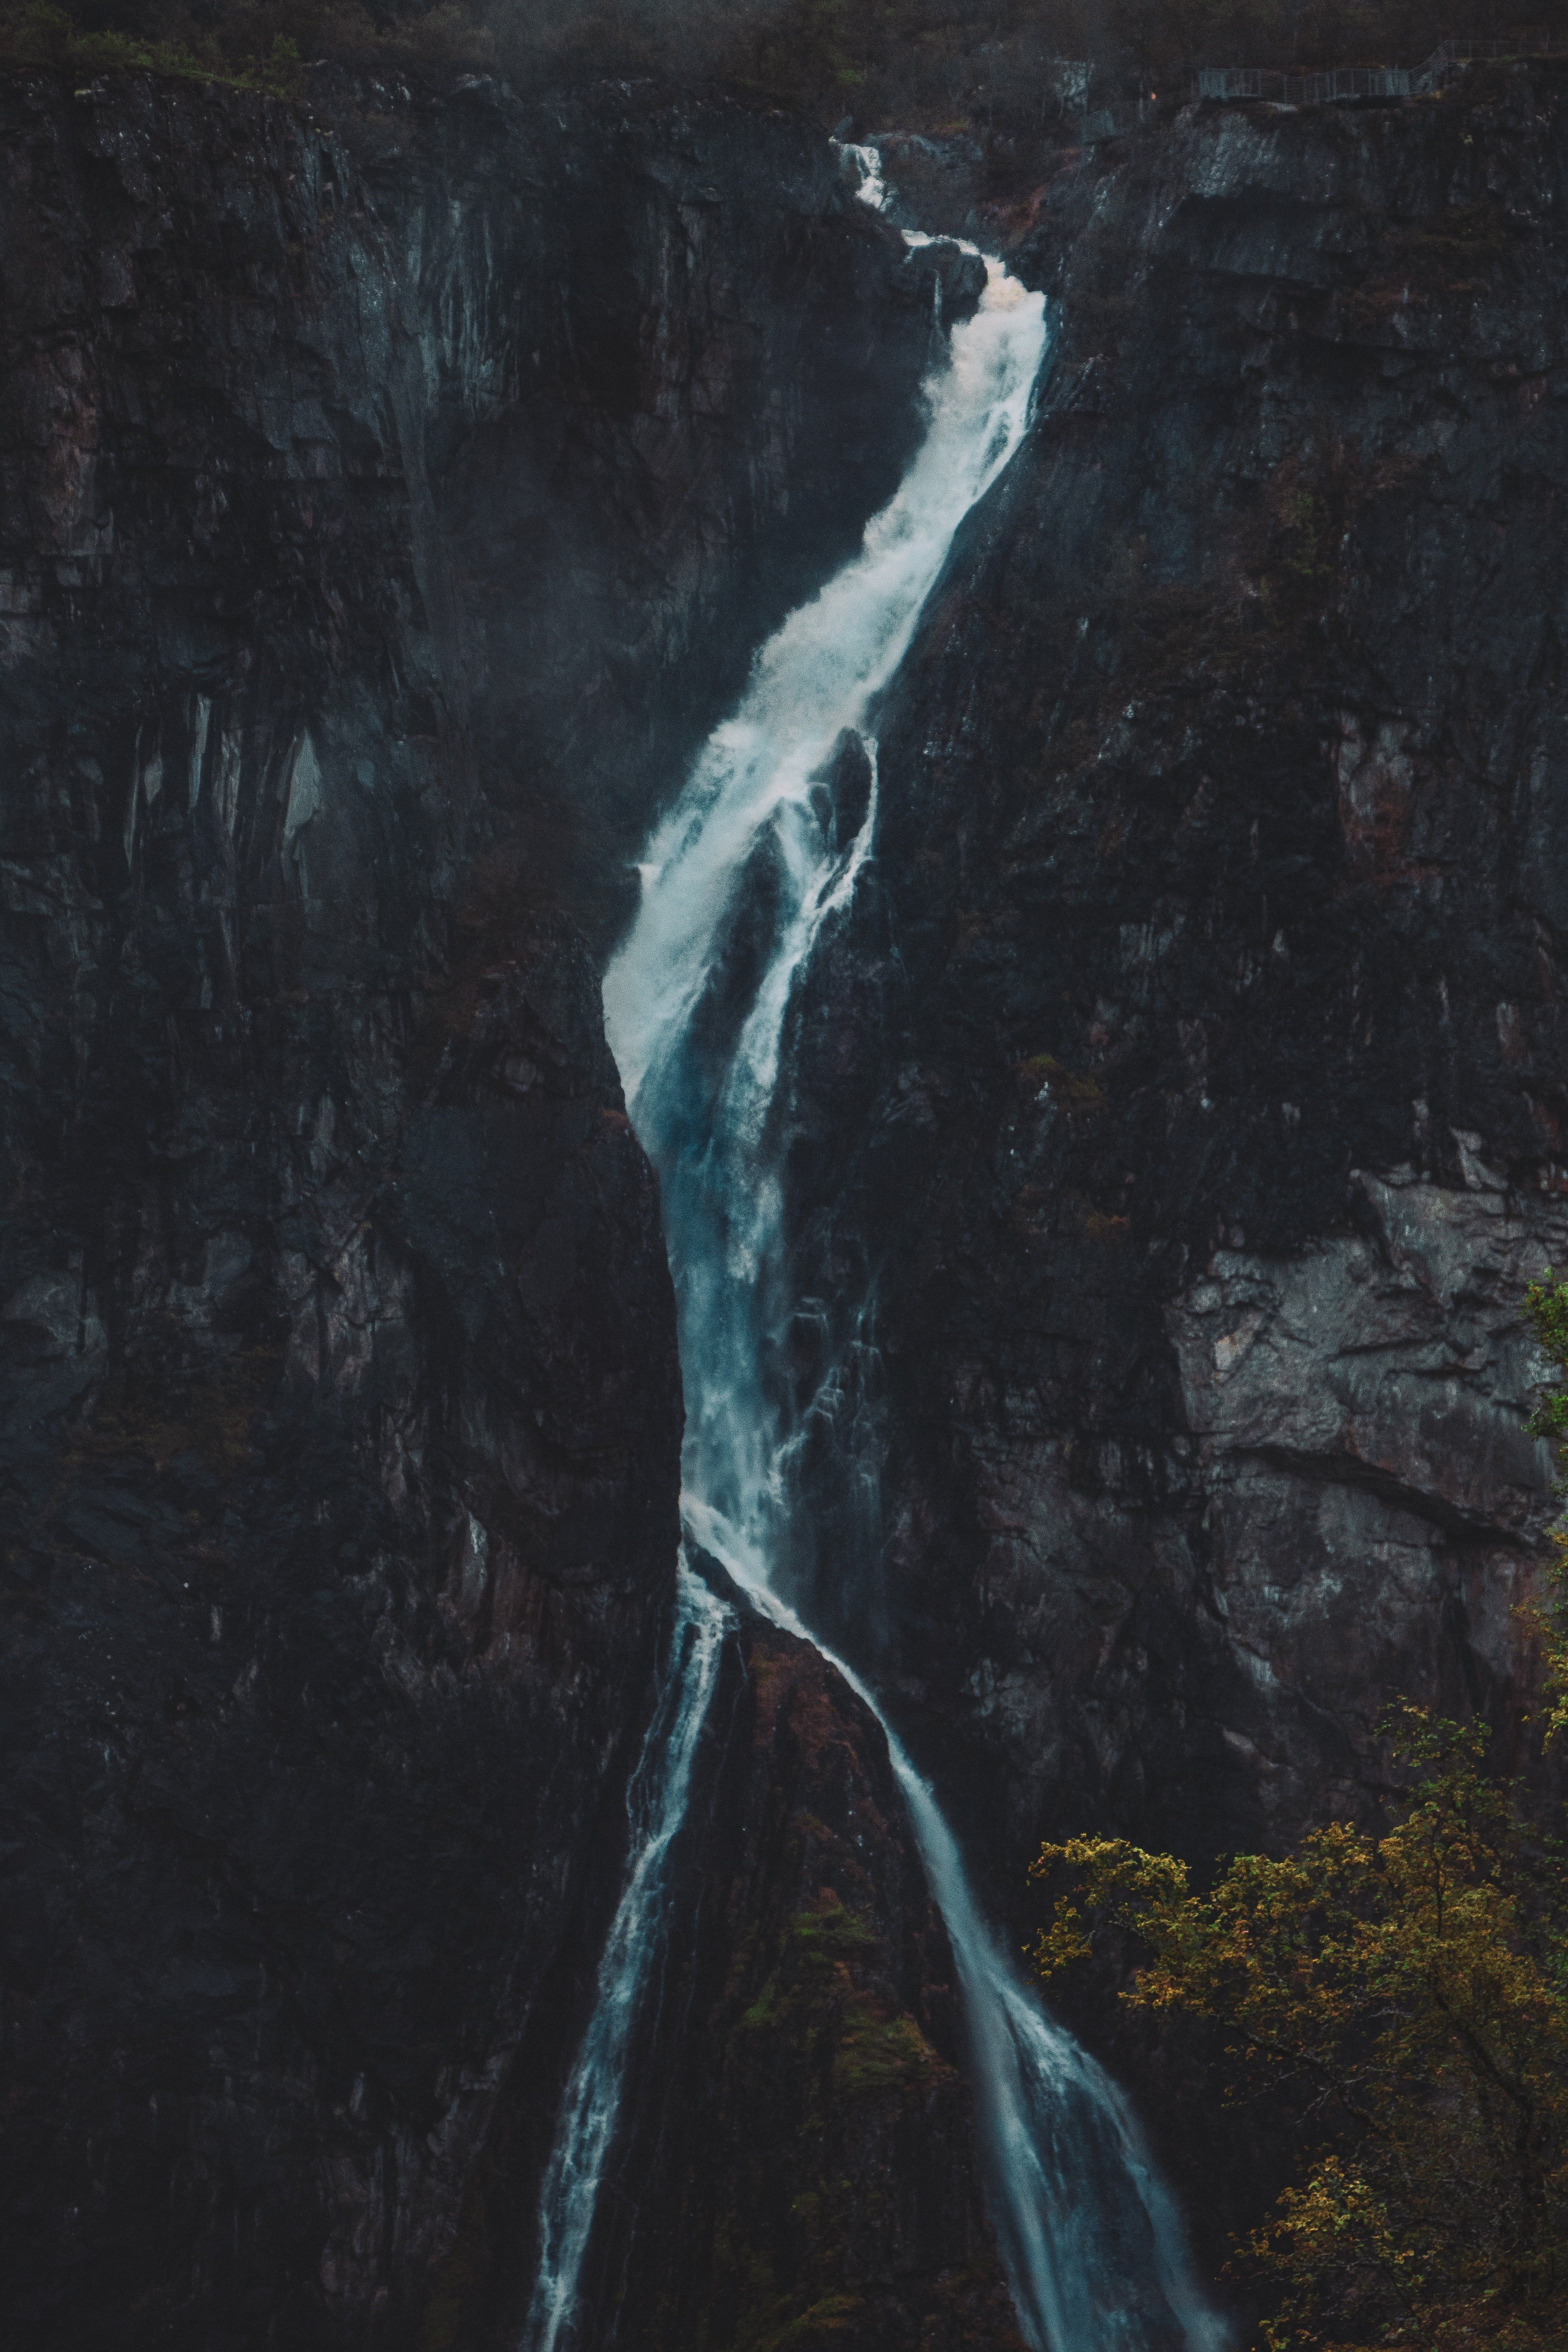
pixel 737 885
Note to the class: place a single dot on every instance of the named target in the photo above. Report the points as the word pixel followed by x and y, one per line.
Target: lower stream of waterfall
pixel 761 850
pixel 656 1803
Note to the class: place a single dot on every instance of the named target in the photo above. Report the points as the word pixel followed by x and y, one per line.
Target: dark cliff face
pixel 394 490
pixel 390 488
pixel 797 2167
pixel 803 2172
pixel 1188 1084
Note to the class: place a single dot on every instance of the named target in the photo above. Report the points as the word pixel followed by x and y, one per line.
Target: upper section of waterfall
pixel 737 885
pixel 816 677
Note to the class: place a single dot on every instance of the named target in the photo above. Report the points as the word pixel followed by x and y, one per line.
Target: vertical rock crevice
pixel 392 484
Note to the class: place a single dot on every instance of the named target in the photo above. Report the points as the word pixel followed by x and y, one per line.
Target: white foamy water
pixel 763 846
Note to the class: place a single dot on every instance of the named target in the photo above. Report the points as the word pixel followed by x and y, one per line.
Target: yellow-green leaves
pixel 1401 2002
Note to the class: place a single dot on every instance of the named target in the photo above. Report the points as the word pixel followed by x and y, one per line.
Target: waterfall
pixel 655 1804
pixel 762 849
pixel 1090 2236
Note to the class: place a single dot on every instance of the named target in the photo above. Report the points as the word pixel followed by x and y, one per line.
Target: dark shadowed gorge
pixel 397 480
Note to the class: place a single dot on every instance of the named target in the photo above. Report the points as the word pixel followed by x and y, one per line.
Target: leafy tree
pixel 1400 2001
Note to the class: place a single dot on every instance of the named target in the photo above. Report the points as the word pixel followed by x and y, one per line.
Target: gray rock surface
pixel 394 489
pixel 1187 1091
pixel 393 486
pixel 1359 1412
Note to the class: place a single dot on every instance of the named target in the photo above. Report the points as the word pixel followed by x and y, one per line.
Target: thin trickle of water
pixel 761 851
pixel 656 1803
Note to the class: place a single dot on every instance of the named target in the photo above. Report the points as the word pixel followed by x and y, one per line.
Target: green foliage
pixel 823 1937
pixel 814 1995
pixel 1402 2001
pixel 1306 518
pixel 829 2064
pixel 1396 2000
pixel 878 2053
pixel 261 45
pixel 40 34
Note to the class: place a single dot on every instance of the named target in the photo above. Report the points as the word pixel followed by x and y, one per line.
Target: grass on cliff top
pixel 992 70
pixel 259 44
pixel 42 35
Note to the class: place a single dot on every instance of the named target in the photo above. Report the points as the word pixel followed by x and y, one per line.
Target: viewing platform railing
pixel 1340 83
pixel 1333 85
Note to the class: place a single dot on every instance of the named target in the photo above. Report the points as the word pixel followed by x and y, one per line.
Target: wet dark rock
pixel 1189 1081
pixel 393 486
pixel 801 2167
pixel 394 491
pixel 937 182
pixel 842 794
pixel 744 944
pixel 962 278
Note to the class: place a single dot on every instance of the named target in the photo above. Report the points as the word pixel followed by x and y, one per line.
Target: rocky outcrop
pixel 1188 1088
pixel 393 485
pixel 1373 1501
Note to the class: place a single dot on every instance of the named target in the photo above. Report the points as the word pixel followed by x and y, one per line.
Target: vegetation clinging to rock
pixel 1400 2001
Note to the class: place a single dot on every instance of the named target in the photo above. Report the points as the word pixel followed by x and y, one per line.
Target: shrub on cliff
pixel 244 44
pixel 41 33
pixel 1400 2000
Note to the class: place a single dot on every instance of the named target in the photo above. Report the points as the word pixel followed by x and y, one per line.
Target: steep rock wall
pixel 1188 1087
pixel 796 2166
pixel 372 471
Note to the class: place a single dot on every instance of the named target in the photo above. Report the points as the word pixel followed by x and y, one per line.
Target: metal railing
pixel 1233 81
pixel 1341 83
pixel 1335 85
